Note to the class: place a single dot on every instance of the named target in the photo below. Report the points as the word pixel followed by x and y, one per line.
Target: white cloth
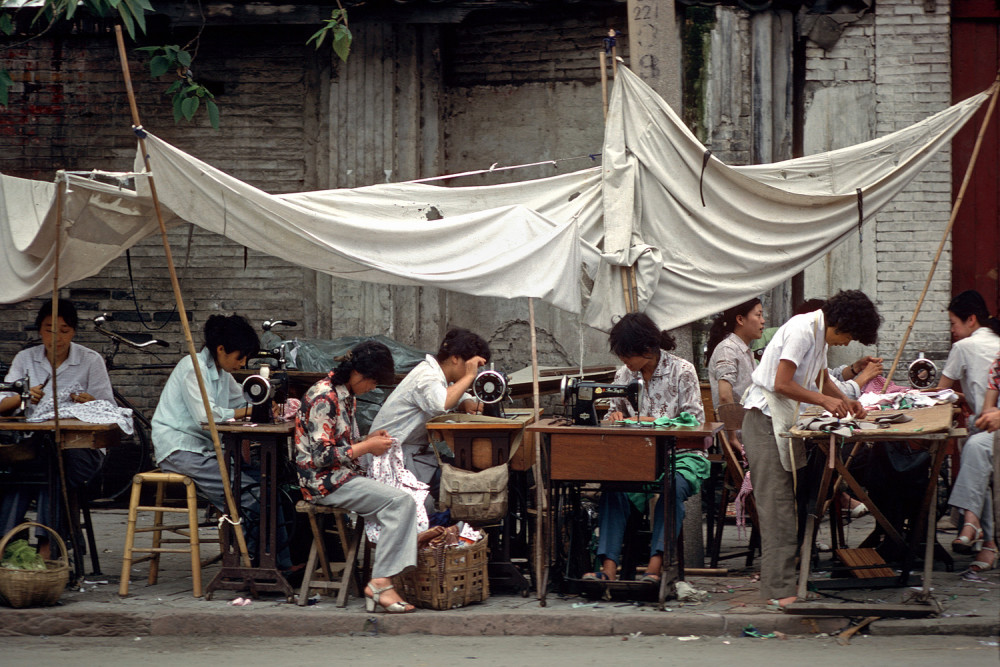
pixel 83 370
pixel 391 470
pixel 97 411
pixel 758 225
pixel 969 362
pixel 672 389
pixel 801 340
pixel 733 362
pixel 181 411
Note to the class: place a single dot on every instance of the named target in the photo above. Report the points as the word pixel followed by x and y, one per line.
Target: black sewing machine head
pixel 22 387
pixel 581 395
pixel 491 387
pixel 922 373
pixel 260 390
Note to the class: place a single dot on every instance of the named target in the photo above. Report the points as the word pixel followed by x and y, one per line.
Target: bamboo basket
pixel 447 577
pixel 34 588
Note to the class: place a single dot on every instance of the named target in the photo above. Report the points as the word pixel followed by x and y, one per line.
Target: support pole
pixel 541 510
pixel 181 311
pixel 951 223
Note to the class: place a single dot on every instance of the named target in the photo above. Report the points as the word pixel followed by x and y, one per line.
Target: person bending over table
pixel 976 346
pixel 971 491
pixel 672 387
pixel 78 369
pixel 794 371
pixel 181 445
pixel 437 385
pixel 327 446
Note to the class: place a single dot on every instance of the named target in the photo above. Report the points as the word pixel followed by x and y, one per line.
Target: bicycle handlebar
pixel 268 324
pixel 117 337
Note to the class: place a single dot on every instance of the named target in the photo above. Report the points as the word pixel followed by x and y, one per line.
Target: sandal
pixel 649 577
pixel 372 601
pixel 596 576
pixel 980 565
pixel 963 545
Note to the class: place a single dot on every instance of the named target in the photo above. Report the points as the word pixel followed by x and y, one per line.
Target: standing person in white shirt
pixel 793 371
pixel 976 346
pixel 437 385
pixel 730 361
pixel 77 368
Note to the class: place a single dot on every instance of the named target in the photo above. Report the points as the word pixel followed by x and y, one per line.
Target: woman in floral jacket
pixel 327 446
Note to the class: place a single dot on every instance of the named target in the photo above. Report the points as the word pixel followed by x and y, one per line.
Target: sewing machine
pixel 922 373
pixel 490 388
pixel 580 397
pixel 22 387
pixel 260 390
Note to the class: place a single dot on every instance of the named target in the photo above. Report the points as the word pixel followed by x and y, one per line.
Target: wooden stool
pixel 320 573
pixel 188 530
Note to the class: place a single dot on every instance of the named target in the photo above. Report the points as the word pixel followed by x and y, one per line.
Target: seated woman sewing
pixel 181 444
pixel 327 446
pixel 976 346
pixel 792 372
pixel 672 387
pixel 80 372
pixel 437 385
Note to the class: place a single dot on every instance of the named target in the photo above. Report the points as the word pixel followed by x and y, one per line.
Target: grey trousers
pixel 774 493
pixel 972 487
pixel 394 509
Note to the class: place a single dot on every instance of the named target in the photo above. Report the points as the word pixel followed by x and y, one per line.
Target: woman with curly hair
pixel 793 371
pixel 327 447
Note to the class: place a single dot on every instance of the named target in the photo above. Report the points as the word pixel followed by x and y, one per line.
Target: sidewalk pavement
pixel 969 607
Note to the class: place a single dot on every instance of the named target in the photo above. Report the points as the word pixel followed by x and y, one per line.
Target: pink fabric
pixel 741 506
pixel 876 384
pixel 291 407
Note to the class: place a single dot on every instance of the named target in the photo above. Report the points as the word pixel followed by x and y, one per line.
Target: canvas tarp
pixel 701 239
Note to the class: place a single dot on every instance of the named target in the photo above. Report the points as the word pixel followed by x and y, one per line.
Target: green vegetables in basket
pixel 20 555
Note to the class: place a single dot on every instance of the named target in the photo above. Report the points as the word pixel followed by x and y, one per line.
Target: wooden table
pixel 265 576
pixel 631 454
pixel 73 434
pixel 931 429
pixel 478 445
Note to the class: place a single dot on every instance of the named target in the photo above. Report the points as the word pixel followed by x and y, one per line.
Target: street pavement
pixel 731 603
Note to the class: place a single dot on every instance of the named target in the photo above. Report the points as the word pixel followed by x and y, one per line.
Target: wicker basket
pixel 34 588
pixel 447 577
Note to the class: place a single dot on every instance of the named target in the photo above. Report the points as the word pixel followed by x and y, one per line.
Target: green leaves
pixel 336 26
pixel 187 93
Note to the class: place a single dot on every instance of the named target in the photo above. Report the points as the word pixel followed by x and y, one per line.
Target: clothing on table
pixel 420 396
pixel 181 411
pixel 969 362
pixel 733 362
pixel 325 428
pixel 83 370
pixel 672 389
pixel 972 486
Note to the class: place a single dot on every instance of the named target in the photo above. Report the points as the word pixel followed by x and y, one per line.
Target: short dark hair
pixel 852 312
pixel 232 332
pixel 725 324
pixel 968 304
pixel 67 311
pixel 463 344
pixel 370 358
pixel 635 334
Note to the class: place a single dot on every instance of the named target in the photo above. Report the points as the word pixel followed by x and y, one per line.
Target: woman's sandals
pixel 964 545
pixel 372 601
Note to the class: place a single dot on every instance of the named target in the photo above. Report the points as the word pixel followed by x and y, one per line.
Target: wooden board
pixel 854 558
pixel 926 421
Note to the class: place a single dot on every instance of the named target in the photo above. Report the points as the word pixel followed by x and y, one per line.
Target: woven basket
pixel 447 577
pixel 34 588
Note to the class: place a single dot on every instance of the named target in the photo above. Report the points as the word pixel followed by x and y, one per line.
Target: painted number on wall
pixel 645 12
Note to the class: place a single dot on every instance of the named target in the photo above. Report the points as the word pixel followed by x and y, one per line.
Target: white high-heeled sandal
pixel 372 602
pixel 963 545
pixel 981 565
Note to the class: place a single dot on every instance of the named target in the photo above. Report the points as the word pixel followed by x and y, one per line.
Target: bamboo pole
pixel 951 223
pixel 541 511
pixel 181 311
pixel 602 57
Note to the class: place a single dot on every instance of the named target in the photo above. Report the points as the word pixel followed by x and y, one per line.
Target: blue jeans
pixel 615 508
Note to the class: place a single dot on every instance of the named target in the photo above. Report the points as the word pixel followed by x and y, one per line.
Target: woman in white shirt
pixel 976 346
pixel 793 371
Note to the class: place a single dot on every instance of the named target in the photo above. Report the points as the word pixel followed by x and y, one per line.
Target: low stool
pixel 188 530
pixel 320 573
